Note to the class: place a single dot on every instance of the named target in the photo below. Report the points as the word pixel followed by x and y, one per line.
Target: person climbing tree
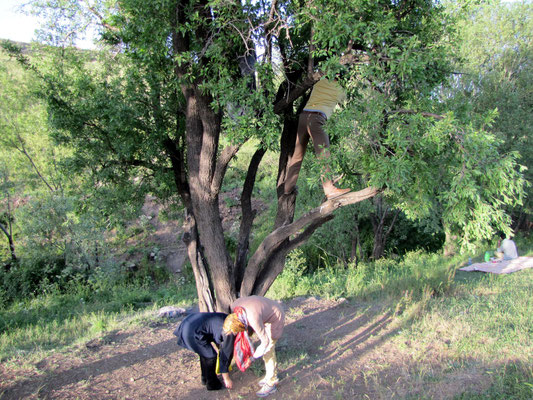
pixel 325 96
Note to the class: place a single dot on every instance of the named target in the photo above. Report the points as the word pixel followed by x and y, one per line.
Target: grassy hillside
pixel 450 322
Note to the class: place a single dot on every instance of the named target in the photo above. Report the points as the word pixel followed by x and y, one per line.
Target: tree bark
pixel 450 243
pixel 356 244
pixel 261 266
pixel 10 241
pixel 248 215
pixel 202 133
pixel 204 288
pixel 218 279
pixel 379 219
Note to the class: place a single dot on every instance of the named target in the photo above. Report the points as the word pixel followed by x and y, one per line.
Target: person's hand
pixel 248 362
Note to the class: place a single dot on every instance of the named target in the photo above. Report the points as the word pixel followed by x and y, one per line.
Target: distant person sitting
pixel 506 249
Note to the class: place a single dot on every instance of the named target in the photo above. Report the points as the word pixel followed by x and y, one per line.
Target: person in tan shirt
pixel 266 318
pixel 325 96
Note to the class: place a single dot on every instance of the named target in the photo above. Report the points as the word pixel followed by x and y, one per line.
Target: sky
pixel 13 24
pixel 16 26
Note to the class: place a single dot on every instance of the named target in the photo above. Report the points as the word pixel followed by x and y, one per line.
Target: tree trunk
pixel 248 215
pixel 205 179
pixel 379 246
pixel 450 244
pixel 204 288
pixel 275 263
pixel 379 219
pixel 265 263
pixel 9 237
pixel 356 244
pixel 217 279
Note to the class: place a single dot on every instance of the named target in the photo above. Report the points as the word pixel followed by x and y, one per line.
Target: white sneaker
pixel 266 390
pixel 263 382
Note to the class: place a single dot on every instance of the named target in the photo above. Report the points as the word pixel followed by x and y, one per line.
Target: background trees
pixel 167 106
pixel 496 55
pixel 49 239
pixel 23 166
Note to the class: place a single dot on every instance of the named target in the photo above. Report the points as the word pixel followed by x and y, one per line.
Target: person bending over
pixel 198 332
pixel 266 318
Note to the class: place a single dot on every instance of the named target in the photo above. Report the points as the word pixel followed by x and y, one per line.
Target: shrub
pixel 419 273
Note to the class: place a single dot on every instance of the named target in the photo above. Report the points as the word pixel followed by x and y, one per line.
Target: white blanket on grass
pixel 501 267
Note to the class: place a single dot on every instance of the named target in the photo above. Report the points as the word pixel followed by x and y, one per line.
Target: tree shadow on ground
pixel 324 327
pixel 325 352
pixel 51 381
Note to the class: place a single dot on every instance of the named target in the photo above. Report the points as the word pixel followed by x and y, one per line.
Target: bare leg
pixel 310 125
pixel 321 146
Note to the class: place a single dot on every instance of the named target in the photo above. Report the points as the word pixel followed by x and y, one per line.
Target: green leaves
pixel 398 131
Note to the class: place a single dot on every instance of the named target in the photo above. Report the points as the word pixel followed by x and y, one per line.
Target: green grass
pixel 484 324
pixel 56 321
pixel 509 382
pixel 483 316
pixel 471 322
pixel 417 273
pixel 454 322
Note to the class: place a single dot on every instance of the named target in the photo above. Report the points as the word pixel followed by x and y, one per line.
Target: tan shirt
pixel 325 96
pixel 261 311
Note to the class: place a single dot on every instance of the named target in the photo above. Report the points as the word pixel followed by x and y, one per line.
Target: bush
pixel 333 241
pixel 418 273
pixel 27 279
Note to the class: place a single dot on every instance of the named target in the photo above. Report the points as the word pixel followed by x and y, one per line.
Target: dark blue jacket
pixel 198 330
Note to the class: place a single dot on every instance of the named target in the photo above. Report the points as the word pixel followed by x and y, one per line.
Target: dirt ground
pixel 329 350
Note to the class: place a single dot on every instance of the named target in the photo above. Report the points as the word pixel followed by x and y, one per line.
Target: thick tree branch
pixel 396 213
pixel 310 59
pixel 413 112
pixel 224 159
pixel 178 168
pixel 9 237
pixel 272 242
pixel 248 215
pixel 4 229
pixel 274 265
pixel 299 90
pixel 204 284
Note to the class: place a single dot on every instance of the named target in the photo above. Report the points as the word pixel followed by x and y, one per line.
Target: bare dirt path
pixel 329 350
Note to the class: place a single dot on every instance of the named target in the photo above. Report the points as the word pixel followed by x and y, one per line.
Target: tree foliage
pixel 166 107
pixel 24 168
pixel 496 58
pixel 49 238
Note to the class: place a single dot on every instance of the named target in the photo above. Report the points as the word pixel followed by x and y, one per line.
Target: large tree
pixel 496 49
pixel 186 83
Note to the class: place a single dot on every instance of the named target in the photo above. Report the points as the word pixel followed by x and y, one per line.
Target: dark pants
pixel 310 125
pixel 209 374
